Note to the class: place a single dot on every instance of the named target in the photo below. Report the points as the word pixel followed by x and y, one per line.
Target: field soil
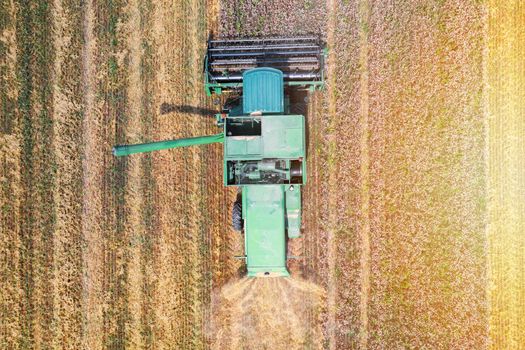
pixel 411 215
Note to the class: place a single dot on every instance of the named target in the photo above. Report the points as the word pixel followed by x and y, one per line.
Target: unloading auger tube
pixel 125 150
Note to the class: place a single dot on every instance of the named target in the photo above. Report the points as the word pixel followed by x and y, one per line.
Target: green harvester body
pixel 264 156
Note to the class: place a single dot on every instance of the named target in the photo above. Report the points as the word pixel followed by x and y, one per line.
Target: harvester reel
pixel 301 59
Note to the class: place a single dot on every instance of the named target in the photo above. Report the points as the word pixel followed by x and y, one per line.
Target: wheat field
pixel 414 214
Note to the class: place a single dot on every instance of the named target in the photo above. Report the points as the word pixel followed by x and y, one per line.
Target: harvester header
pixel 300 59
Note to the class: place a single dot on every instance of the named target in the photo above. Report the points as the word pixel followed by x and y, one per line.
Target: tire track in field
pixel 170 302
pixel 211 185
pixel 348 157
pixel 67 146
pixel 111 30
pixel 163 286
pixel 11 189
pixel 364 232
pixel 196 255
pixel 332 182
pixel 92 217
pixel 134 226
pixel 347 150
pixel 148 183
pixel 34 62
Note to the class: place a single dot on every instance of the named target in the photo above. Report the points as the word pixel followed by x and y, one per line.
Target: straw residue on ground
pixel 268 313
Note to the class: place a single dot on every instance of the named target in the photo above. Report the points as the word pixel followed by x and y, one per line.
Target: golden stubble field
pixel 412 214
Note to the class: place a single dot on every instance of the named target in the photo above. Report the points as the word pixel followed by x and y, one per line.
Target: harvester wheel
pixel 237 216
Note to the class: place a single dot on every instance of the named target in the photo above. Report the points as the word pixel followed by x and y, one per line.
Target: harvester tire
pixel 237 223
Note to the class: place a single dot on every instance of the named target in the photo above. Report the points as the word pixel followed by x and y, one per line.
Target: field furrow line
pixel 204 120
pixel 67 193
pixel 10 241
pixel 112 86
pixel 92 183
pixel 195 222
pixel 184 183
pixel 147 182
pixel 26 323
pixel 35 57
pixel 168 206
pixel 222 265
pixel 11 186
pixel 350 179
pixel 311 232
pixel 332 219
pixel 364 232
pixel 134 229
pixel 209 204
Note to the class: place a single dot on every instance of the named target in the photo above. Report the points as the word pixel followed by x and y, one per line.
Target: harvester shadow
pixel 167 108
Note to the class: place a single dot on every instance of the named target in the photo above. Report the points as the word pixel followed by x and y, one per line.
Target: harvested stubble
pixel 268 313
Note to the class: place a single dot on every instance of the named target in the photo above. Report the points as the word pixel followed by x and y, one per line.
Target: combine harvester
pixel 264 145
